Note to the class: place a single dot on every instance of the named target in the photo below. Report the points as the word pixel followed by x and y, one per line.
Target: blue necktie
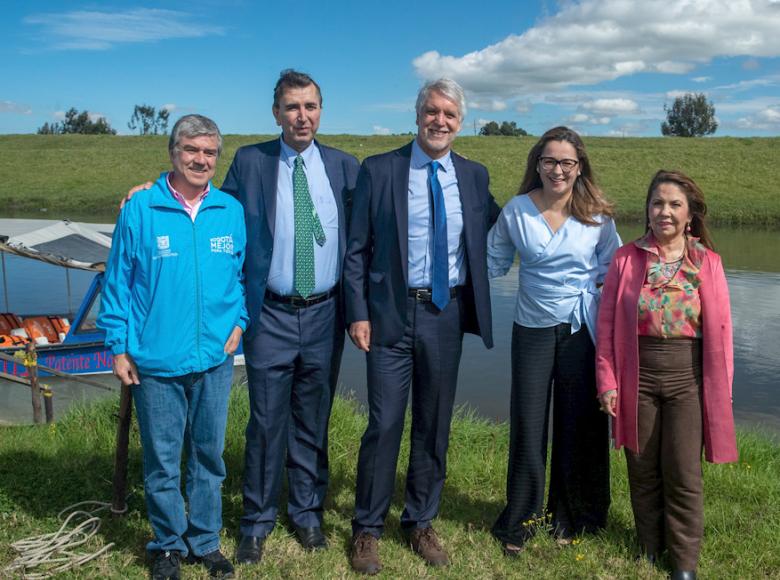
pixel 440 288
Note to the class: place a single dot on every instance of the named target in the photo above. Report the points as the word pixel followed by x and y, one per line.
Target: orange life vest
pixel 8 341
pixel 43 327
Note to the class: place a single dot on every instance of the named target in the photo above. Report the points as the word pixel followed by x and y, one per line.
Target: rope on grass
pixel 54 553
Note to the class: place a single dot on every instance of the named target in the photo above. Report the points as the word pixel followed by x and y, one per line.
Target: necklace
pixel 669 269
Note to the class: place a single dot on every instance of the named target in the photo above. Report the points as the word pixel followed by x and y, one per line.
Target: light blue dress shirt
pixel 326 263
pixel 420 221
pixel 559 271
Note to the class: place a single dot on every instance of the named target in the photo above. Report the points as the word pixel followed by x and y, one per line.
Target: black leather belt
pixel 426 294
pixel 299 301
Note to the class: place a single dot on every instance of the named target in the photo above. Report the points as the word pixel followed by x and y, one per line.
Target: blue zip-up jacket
pixel 174 287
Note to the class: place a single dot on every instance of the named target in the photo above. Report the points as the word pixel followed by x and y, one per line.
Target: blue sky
pixel 604 67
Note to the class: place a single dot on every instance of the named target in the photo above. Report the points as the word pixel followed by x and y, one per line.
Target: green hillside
pixel 81 175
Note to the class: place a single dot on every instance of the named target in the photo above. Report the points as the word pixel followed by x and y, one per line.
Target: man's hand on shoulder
pixel 125 370
pixel 133 191
pixel 360 333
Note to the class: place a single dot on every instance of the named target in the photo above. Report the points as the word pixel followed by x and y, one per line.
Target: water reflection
pixel 35 288
pixel 755 302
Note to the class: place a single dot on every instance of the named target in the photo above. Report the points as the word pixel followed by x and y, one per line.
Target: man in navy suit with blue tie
pixel 295 192
pixel 415 279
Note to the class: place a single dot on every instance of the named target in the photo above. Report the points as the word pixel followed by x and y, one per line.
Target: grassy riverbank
pixel 83 174
pixel 45 469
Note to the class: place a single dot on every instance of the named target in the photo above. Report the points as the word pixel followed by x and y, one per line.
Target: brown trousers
pixel 665 477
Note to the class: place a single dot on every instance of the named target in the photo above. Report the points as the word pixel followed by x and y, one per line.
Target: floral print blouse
pixel 669 305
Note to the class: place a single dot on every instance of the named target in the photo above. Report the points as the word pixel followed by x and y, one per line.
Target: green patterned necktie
pixel 307 229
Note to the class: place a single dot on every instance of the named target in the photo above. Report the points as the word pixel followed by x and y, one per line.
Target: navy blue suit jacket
pixel 376 264
pixel 252 179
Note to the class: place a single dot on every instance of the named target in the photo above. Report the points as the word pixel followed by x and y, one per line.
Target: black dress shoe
pixel 250 550
pixel 166 565
pixel 215 563
pixel 684 575
pixel 311 538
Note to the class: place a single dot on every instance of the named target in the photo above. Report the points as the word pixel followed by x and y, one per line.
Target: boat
pixel 72 346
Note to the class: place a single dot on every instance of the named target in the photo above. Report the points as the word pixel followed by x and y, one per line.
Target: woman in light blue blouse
pixel 560 225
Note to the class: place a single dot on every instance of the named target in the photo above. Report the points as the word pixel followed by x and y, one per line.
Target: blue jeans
pixel 190 411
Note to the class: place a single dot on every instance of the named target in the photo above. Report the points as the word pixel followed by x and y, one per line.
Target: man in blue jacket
pixel 296 194
pixel 173 311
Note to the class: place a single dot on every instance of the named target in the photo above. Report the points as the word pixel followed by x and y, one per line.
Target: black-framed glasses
pixel 549 163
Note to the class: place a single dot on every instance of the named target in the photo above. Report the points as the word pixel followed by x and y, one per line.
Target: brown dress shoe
pixel 425 542
pixel 365 554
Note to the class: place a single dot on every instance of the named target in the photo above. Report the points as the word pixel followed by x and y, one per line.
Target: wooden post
pixel 48 404
pixel 118 503
pixel 32 368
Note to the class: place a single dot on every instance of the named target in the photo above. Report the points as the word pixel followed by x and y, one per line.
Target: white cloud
pixel 747 107
pixel 609 39
pixel 630 129
pixel 611 107
pixel 600 111
pixel 748 85
pixel 12 107
pixel 767 119
pixel 482 122
pixel 579 118
pixel 771 115
pixel 566 98
pixel 379 130
pixel 751 124
pixel 701 79
pixel 523 107
pixel 170 107
pixel 675 94
pixel 95 30
pixel 487 104
pixel 751 64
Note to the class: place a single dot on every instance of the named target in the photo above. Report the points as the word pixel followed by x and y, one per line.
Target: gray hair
pixel 447 87
pixel 194 126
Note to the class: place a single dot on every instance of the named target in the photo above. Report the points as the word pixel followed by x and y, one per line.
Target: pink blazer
pixel 617 349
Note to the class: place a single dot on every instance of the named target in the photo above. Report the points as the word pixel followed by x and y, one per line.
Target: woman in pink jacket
pixel 665 366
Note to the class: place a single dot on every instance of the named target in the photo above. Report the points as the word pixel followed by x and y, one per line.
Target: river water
pixel 752 260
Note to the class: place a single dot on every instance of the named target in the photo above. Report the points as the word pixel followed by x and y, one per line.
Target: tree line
pixel 691 115
pixel 145 119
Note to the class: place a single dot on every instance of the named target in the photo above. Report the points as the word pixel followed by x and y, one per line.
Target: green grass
pixel 43 469
pixel 82 175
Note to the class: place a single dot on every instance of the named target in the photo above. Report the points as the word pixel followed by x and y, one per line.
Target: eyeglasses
pixel 549 163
